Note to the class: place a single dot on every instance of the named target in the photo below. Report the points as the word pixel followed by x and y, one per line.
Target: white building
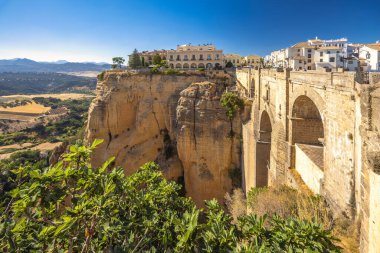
pixel 370 53
pixel 316 54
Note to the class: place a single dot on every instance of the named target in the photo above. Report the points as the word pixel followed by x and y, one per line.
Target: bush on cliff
pixel 232 103
pixel 77 208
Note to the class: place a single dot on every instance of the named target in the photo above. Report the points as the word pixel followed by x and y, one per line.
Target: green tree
pixel 134 60
pixel 229 64
pixel 117 62
pixel 157 59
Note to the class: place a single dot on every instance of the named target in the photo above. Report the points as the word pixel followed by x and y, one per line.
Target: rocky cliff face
pixel 175 121
pixel 208 152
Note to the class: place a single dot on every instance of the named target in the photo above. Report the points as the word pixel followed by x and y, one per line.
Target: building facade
pixel 147 56
pixel 370 54
pixel 315 54
pixel 252 61
pixel 187 56
pixel 235 59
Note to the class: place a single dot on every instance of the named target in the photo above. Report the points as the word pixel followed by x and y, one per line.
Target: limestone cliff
pixel 208 152
pixel 144 117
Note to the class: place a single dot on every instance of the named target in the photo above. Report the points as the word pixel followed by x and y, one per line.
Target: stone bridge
pixel 321 129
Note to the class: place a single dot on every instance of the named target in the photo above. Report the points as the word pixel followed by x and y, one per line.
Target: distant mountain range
pixel 27 65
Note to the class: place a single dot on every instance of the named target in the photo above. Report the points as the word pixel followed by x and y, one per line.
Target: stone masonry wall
pixel 350 179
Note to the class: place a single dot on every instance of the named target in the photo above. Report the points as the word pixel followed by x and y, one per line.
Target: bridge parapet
pixel 317 78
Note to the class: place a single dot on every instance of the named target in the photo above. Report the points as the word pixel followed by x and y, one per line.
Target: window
pixel 178 58
pixel 309 60
pixel 328 52
pixel 237 61
pixel 171 57
pixel 320 60
pixel 337 52
pixel 193 57
pixel 309 68
pixel 201 49
pixel 332 59
pixel 299 61
pixel 185 57
pixel 209 57
pixel 309 56
pixel 321 54
pixel 233 61
pixel 299 50
pixel 217 57
pixel 309 50
pixel 201 57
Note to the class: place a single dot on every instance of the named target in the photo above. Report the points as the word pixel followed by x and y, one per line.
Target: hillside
pixel 27 65
pixel 34 83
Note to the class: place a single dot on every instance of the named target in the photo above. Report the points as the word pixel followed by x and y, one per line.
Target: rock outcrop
pixel 206 148
pixel 144 117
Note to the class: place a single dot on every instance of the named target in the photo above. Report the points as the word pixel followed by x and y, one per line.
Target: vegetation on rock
pixel 232 103
pixel 74 207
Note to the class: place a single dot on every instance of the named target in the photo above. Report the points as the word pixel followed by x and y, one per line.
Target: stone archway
pixel 263 149
pixel 208 66
pixel 186 66
pixel 201 66
pixel 193 66
pixel 307 142
pixel 178 66
pixel 307 124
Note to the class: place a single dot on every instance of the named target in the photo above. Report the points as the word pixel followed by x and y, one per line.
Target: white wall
pixel 310 173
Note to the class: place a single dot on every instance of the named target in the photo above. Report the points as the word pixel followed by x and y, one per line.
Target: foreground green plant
pixel 74 207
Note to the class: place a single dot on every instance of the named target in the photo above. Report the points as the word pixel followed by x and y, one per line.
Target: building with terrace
pixel 188 56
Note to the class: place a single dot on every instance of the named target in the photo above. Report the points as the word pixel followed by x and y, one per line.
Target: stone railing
pixel 335 79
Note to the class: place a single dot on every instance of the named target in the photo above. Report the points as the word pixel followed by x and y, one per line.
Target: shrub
pixel 232 103
pixel 74 207
pixel 101 76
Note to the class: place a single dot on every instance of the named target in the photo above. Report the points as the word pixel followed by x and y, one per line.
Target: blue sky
pixel 97 30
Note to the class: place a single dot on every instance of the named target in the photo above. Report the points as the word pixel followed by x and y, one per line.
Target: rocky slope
pixel 176 121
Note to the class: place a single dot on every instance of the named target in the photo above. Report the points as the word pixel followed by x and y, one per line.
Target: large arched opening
pixel 307 142
pixel 193 66
pixel 186 66
pixel 307 124
pixel 263 148
pixel 178 66
pixel 201 66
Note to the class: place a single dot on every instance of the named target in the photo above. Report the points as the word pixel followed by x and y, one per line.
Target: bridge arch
pixel 263 149
pixel 307 122
pixel 306 136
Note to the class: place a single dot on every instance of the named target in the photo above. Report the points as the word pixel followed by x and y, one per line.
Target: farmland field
pixel 62 96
